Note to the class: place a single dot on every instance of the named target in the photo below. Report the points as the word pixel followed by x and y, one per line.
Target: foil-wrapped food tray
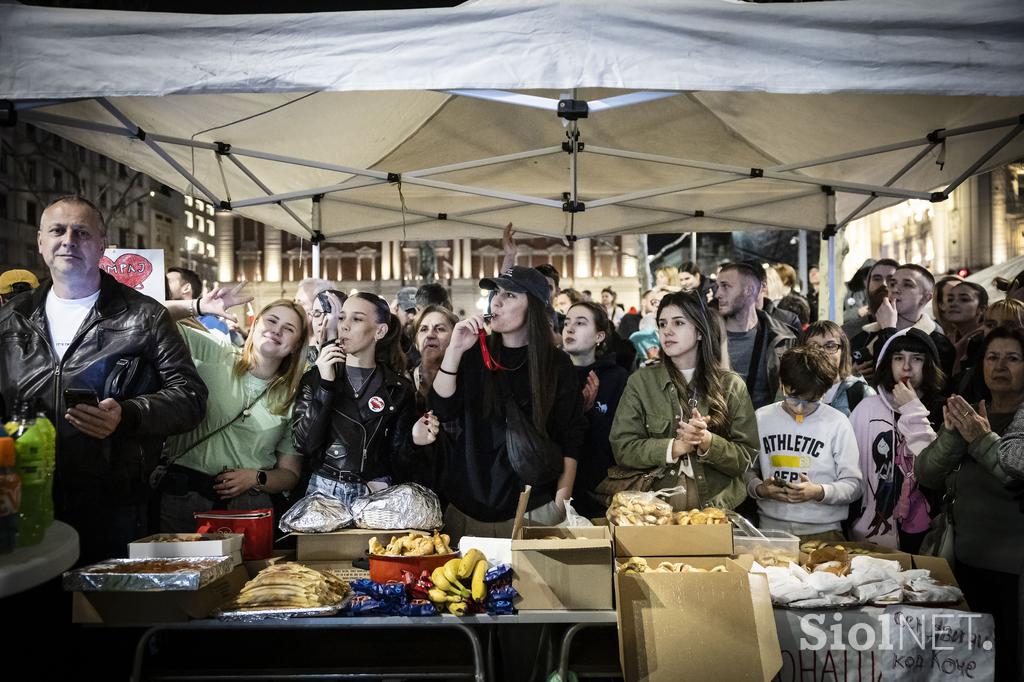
pixel 148 575
pixel 256 614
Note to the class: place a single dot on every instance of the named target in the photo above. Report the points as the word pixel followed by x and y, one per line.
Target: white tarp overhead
pixel 797 95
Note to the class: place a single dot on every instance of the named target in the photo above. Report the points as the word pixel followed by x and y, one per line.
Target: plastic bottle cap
pixel 6 452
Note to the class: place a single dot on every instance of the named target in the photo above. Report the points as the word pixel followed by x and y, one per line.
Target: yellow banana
pixel 457 608
pixel 469 562
pixel 479 589
pixel 440 580
pixel 441 597
pixel 451 570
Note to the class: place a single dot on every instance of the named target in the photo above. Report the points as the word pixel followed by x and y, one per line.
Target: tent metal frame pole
pixel 830 230
pixel 686 216
pixel 550 104
pixel 693 248
pixel 756 173
pixel 295 161
pixel 68 122
pixel 658 191
pixel 303 193
pixel 1006 139
pixel 896 176
pixel 802 259
pixel 493 160
pixel 158 150
pixel 426 214
pixel 749 204
pixel 259 183
pixel 314 250
pixel 483 192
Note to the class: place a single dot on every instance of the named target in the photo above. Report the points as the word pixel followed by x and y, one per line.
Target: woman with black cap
pixel 485 365
pixel 354 411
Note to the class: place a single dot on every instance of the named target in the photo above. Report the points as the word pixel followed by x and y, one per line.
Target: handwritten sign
pixel 899 642
pixel 140 269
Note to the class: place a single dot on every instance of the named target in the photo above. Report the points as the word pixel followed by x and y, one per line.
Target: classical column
pixel 225 225
pixel 632 251
pixel 396 260
pixel 385 260
pixel 456 259
pixel 272 254
pixel 581 257
pixel 999 231
pixel 467 258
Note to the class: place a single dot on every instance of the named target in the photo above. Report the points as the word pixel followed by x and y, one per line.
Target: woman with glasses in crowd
pixel 355 409
pixel 848 390
pixel 323 321
pixel 892 428
pixel 687 420
pixel 971 462
pixel 242 452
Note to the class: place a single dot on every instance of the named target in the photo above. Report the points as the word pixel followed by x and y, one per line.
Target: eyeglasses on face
pixel 830 347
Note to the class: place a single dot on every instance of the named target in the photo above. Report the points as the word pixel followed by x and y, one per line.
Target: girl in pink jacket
pixel 891 429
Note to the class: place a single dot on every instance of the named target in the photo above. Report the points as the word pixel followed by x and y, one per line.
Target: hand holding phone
pixel 73 397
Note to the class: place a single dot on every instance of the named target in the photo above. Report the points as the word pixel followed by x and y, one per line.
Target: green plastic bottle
pixel 36 460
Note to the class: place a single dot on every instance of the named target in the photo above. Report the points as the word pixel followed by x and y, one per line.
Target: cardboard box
pixel 569 573
pixel 696 626
pixel 148 608
pixel 342 545
pixel 673 541
pixel 942 572
pixel 254 566
pixel 230 545
pixel 873 550
pixel 343 570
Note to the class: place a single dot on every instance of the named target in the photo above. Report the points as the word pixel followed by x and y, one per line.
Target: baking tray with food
pixel 148 575
pixel 287 590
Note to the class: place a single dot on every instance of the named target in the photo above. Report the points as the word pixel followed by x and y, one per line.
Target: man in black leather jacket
pixel 71 333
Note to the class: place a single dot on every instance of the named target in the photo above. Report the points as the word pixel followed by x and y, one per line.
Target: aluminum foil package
pixel 316 513
pixel 408 505
pixel 148 575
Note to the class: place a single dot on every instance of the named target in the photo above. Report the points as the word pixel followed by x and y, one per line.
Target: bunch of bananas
pixel 450 593
pixel 412 544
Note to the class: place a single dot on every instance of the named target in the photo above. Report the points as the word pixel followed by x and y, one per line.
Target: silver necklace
pixel 357 391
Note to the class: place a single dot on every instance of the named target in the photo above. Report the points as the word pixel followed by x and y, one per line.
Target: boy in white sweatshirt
pixel 809 462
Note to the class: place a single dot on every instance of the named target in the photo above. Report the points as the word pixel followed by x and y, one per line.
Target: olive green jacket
pixel 646 421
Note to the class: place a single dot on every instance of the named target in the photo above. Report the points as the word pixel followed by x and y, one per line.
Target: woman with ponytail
pixel 513 359
pixel 687 418
pixel 354 412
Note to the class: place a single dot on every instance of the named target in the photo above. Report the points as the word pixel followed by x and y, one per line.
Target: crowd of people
pixel 730 392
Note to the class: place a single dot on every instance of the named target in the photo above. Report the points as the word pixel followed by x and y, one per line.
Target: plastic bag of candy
pixel 389 590
pixel 500 593
pixel 418 607
pixel 365 605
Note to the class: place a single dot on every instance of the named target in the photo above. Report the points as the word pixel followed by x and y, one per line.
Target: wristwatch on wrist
pixel 261 481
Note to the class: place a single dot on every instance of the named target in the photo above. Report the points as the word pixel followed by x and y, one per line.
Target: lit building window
pixel 209 227
pixel 188 220
pixel 188 201
pixel 199 224
pixel 209 209
pixel 210 251
pixel 199 205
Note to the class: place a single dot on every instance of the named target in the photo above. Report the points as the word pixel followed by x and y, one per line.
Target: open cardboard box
pixel 343 570
pixel 564 568
pixel 873 550
pixel 941 571
pixel 696 626
pixel 342 545
pixel 148 608
pixel 673 541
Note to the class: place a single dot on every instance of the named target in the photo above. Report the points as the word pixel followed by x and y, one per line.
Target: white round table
pixel 27 567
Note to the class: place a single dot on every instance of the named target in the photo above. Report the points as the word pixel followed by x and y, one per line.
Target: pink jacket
pixel 891 499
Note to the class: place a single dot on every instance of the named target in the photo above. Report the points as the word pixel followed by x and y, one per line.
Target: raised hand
pixel 221 299
pixel 330 355
pixel 590 391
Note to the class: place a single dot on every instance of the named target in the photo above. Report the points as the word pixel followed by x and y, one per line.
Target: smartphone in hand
pixel 73 397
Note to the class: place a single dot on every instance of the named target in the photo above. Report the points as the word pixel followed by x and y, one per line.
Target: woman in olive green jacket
pixel 687 418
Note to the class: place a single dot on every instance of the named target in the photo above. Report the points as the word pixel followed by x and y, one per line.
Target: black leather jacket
pixel 167 395
pixel 332 433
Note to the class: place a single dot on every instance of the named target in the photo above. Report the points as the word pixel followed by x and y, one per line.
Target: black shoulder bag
pixel 534 457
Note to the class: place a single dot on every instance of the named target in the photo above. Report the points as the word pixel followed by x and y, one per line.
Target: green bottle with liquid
pixel 36 460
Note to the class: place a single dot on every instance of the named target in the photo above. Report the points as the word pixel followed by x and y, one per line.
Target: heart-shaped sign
pixel 130 269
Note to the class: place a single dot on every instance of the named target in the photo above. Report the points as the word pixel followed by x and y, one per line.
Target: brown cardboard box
pixel 696 626
pixel 674 541
pixel 941 571
pixel 343 570
pixel 147 608
pixel 256 565
pixel 878 551
pixel 342 545
pixel 569 573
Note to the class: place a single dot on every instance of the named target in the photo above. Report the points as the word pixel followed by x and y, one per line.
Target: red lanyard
pixel 489 360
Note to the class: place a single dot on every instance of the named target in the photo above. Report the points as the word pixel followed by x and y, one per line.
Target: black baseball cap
pixel 521 280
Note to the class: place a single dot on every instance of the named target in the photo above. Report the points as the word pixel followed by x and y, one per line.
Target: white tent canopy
pixel 704 115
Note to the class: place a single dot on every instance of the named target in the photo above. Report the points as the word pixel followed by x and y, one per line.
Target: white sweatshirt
pixel 824 448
